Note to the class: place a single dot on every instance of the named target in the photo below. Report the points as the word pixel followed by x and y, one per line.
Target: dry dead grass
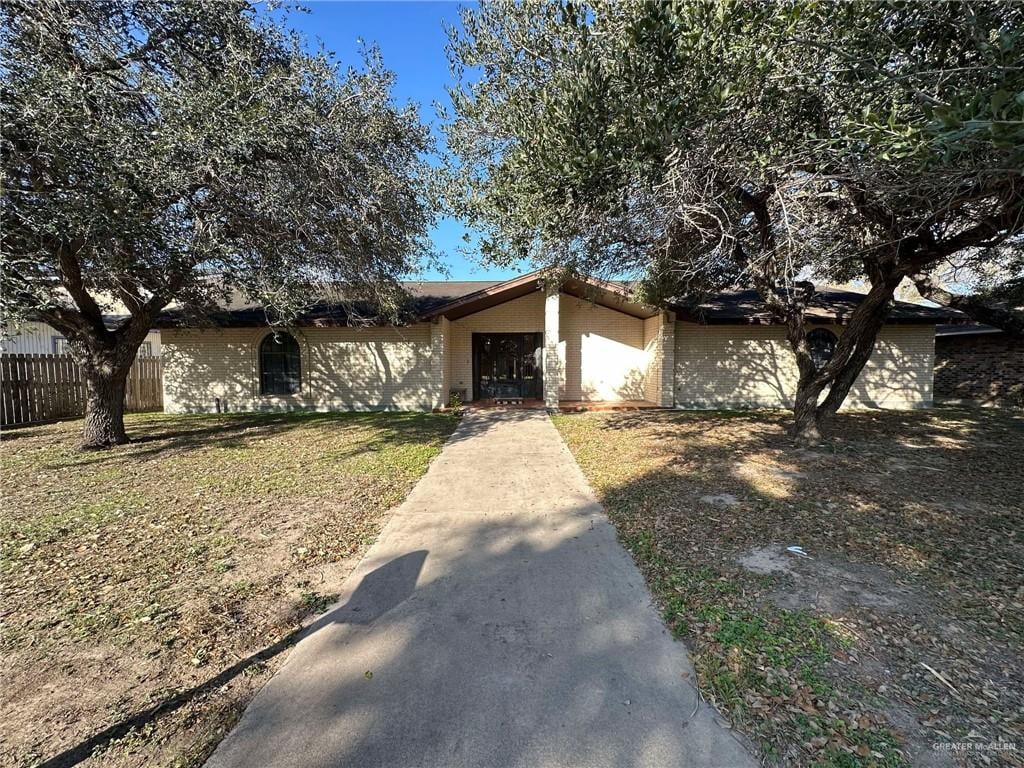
pixel 914 523
pixel 133 575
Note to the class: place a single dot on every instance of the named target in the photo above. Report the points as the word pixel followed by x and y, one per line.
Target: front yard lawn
pixel 133 575
pixel 899 639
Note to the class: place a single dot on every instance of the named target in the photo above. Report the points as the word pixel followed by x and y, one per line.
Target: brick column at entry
pixel 440 340
pixel 667 350
pixel 553 373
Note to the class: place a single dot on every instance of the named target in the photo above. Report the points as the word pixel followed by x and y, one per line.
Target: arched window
pixel 823 344
pixel 280 365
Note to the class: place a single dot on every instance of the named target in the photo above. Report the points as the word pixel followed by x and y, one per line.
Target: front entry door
pixel 507 365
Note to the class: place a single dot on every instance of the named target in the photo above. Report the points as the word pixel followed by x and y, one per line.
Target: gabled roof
pixel 487 296
pixel 615 295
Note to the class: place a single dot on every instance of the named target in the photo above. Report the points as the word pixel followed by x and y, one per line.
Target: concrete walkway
pixel 496 622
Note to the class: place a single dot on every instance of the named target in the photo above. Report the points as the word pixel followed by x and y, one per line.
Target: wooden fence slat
pixel 60 403
pixel 44 388
pixel 59 406
pixel 16 394
pixel 3 391
pixel 6 393
pixel 36 394
pixel 39 388
pixel 9 372
pixel 26 389
pixel 23 412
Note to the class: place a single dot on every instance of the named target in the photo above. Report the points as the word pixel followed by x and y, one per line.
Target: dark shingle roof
pixel 426 297
pixel 448 289
pixel 828 305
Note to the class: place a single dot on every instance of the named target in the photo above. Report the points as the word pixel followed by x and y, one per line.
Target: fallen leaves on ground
pixel 913 522
pixel 134 574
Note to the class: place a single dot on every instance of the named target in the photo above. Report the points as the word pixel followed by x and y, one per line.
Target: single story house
pixel 978 363
pixel 581 340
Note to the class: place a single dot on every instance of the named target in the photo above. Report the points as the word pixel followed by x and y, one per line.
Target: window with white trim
pixel 60 346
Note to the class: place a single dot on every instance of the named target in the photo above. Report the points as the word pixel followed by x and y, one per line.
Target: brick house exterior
pixel 579 340
pixel 979 363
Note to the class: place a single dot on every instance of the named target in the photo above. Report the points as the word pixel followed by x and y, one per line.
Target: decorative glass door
pixel 506 365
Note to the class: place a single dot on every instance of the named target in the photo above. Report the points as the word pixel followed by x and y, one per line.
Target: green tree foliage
pixel 703 145
pixel 159 152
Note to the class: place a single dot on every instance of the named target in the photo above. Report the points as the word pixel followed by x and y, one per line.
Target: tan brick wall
pixel 668 365
pixel 659 343
pixel 605 355
pixel 729 366
pixel 604 352
pixel 654 347
pixel 554 347
pixel 440 360
pixel 522 315
pixel 342 369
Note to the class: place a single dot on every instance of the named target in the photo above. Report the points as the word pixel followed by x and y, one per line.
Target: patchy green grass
pixel 136 573
pixel 914 526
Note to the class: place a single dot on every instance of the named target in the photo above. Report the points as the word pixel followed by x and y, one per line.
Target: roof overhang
pixel 738 307
pixel 610 295
pixel 965 329
pixel 601 292
pixel 488 297
pixel 828 306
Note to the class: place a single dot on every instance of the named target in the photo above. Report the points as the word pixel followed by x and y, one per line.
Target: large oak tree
pixel 704 145
pixel 158 152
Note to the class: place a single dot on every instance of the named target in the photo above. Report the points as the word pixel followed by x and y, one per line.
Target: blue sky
pixel 412 41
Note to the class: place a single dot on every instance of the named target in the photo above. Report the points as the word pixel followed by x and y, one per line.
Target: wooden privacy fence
pixel 37 388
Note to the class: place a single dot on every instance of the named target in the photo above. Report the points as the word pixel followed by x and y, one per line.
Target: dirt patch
pixel 767 560
pixel 832 584
pixel 720 499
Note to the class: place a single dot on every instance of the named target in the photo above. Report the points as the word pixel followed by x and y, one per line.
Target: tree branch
pixel 71 279
pixel 976 306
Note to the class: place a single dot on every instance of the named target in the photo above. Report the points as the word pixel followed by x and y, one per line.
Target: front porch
pixel 574 345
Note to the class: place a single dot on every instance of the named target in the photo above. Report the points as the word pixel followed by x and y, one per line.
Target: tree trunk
pixel 847 376
pixel 811 420
pixel 105 352
pixel 865 324
pixel 808 388
pixel 805 415
pixel 104 406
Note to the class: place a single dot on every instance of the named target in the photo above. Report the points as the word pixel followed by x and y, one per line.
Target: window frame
pixel 820 359
pixel 282 382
